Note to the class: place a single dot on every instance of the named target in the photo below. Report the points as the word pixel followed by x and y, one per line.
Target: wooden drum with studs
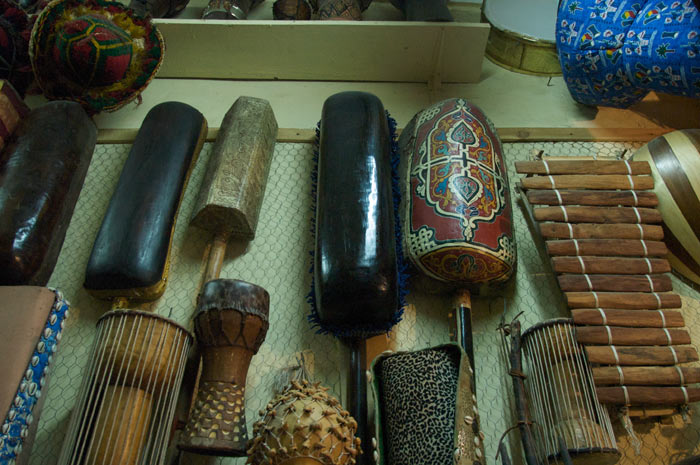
pixel 231 324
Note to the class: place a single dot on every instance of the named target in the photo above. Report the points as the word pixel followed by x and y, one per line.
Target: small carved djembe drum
pixel 127 399
pixel 231 324
pixel 304 425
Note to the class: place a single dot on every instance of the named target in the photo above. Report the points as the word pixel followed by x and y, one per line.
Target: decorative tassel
pixel 623 413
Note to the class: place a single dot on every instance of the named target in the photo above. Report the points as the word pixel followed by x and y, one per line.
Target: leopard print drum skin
pixel 457 218
pixel 425 408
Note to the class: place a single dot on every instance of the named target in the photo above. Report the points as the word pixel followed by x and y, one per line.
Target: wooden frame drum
pixel 561 394
pixel 522 35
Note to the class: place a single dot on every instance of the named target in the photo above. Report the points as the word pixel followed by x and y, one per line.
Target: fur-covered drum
pixel 675 167
pixel 304 425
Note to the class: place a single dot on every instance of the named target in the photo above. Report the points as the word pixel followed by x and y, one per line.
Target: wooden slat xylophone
pixel 603 233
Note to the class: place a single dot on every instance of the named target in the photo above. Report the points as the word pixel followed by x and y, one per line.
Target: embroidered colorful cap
pixel 95 52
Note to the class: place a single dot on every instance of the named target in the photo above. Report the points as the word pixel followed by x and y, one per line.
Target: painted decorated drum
pixel 675 167
pixel 457 218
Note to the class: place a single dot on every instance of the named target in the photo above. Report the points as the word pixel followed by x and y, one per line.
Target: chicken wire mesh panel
pixel 278 260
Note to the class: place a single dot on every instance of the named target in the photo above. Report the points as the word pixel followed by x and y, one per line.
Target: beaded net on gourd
pixel 304 421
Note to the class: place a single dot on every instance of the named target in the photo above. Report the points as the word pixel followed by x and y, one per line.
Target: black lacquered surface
pixel 131 248
pixel 41 175
pixel 355 256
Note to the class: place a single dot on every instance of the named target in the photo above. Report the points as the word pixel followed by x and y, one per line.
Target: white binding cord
pixel 551 182
pixel 629 168
pixel 680 375
pixel 546 166
pixel 631 181
pixel 636 199
pixel 663 317
pixel 624 416
pixel 641 231
pixel 603 316
pixel 583 265
pixel 578 251
pixel 561 202
pixel 648 264
pixel 588 280
pixel 651 283
pixel 644 244
pixel 639 217
pixel 668 336
pixel 566 215
pixel 571 230
pixel 621 375
pixel 607 328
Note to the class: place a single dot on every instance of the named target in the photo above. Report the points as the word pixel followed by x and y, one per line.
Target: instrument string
pixel 543 414
pixel 153 380
pixel 145 411
pixel 76 420
pixel 174 374
pixel 100 393
pixel 112 387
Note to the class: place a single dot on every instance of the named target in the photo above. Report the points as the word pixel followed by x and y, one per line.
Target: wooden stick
pixel 582 167
pixel 597 198
pixel 598 214
pixel 638 395
pixel 645 376
pixel 640 356
pixel 615 335
pixel 601 231
pixel 584 181
pixel 629 318
pixel 615 283
pixel 616 265
pixel 607 247
pixel 217 252
pixel 623 300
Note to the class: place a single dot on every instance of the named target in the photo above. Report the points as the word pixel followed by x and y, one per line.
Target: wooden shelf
pixel 375 49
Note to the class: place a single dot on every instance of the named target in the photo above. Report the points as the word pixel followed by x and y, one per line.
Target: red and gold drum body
pixel 457 217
